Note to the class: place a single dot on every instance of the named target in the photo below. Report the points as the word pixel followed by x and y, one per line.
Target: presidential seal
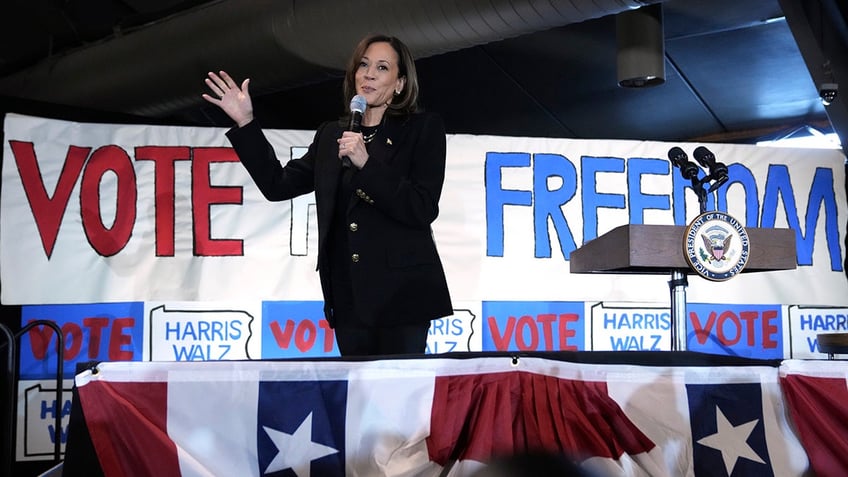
pixel 716 246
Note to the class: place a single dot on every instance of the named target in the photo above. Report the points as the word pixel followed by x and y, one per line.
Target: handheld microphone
pixel 680 160
pixel 357 109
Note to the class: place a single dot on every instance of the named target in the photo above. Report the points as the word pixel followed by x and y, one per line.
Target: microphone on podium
pixel 680 160
pixel 718 171
pixel 357 109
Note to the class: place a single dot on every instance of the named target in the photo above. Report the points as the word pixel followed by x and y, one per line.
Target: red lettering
pixel 750 318
pixel 769 330
pixel 501 340
pixel 108 241
pixel 204 195
pixel 702 333
pixel 39 338
pixel 118 339
pixel 283 338
pixel 526 322
pixel 164 159
pixel 566 332
pixel 722 321
pixel 95 327
pixel 546 320
pixel 730 328
pixel 305 335
pixel 73 337
pixel 329 335
pixel 46 210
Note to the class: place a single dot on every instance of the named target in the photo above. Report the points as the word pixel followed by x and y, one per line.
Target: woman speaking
pixel 377 186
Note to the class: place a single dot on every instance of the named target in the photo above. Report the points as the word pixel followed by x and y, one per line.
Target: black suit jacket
pixel 395 269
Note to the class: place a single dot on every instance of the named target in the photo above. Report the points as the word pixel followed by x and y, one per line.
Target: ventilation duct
pixel 158 69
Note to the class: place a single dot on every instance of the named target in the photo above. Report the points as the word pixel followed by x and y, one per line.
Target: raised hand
pixel 232 99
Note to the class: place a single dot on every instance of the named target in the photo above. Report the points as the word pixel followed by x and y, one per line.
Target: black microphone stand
pixel 715 178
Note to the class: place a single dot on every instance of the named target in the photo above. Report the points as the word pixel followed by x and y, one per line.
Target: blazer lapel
pixel 388 141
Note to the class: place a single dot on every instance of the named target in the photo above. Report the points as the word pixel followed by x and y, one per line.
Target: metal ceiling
pixel 735 70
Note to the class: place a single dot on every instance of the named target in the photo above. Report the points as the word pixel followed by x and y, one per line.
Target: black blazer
pixel 395 270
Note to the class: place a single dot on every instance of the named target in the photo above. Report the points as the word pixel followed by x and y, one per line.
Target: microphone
pixel 357 109
pixel 718 171
pixel 680 160
pixel 704 157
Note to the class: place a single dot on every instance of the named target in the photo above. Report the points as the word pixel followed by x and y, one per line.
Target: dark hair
pixel 404 103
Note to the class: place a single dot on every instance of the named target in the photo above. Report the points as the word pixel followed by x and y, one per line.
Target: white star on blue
pixel 732 441
pixel 296 451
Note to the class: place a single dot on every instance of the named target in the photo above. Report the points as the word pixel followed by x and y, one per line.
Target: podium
pixel 658 249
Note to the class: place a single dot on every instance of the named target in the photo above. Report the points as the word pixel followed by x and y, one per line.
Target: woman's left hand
pixel 352 146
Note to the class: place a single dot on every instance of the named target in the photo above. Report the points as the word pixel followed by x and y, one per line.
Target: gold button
pixel 354 227
pixel 354 258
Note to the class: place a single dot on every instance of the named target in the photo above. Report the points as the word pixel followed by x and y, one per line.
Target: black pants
pixel 367 341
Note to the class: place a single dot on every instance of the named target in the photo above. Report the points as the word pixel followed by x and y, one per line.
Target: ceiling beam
pixel 820 31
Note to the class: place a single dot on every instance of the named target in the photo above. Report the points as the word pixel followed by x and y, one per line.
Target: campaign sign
pixel 751 331
pixel 92 332
pixel 806 322
pixel 37 409
pixel 458 332
pixel 533 326
pixel 295 329
pixel 199 333
pixel 299 329
pixel 630 327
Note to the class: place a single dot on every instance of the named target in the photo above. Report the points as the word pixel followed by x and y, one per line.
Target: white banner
pixel 108 213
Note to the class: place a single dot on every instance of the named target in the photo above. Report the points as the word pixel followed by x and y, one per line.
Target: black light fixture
pixel 829 88
pixel 641 47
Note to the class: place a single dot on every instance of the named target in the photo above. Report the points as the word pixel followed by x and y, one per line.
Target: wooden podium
pixel 658 249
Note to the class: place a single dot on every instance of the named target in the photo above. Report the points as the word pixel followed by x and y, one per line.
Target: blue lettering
pixel 806 322
pixel 189 331
pixel 169 330
pixel 645 321
pixel 433 348
pixel 63 434
pixel 549 202
pixel 446 326
pixel 813 343
pixel 626 343
pixel 779 185
pixel 203 330
pixel 592 199
pixel 218 330
pixel 555 184
pixel 51 409
pixel 837 322
pixel 436 327
pixel 235 330
pixel 497 198
pixel 456 325
pixel 742 176
pixel 639 201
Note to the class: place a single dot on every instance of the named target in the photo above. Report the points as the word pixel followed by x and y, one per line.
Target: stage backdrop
pixel 151 243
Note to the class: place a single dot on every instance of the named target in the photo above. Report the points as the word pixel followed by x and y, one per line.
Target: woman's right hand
pixel 232 99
